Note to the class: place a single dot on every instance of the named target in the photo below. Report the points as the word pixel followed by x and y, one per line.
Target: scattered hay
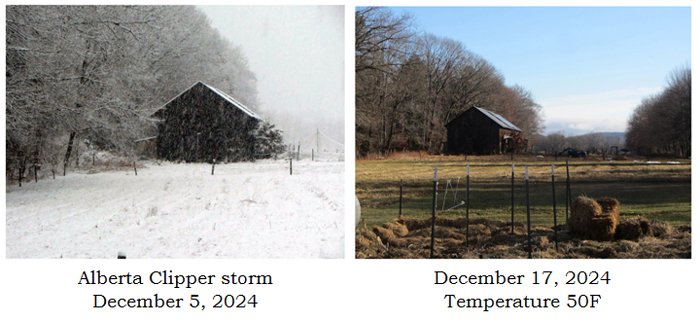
pixel 637 237
pixel 388 237
pixel 540 242
pixel 368 244
pixel 604 252
pixel 398 229
pixel 626 246
pixel 660 229
pixel 415 224
pixel 384 234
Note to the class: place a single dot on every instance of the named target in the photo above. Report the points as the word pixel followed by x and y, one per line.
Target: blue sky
pixel 588 67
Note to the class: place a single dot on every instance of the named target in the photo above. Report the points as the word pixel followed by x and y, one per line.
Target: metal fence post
pixel 512 198
pixel 527 205
pixel 466 231
pixel 400 198
pixel 568 191
pixel 432 230
pixel 554 208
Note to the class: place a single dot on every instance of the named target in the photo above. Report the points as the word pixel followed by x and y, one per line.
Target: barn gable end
pixel 479 131
pixel 202 124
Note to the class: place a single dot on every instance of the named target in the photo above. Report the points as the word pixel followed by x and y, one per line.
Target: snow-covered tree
pixel 99 72
pixel 269 141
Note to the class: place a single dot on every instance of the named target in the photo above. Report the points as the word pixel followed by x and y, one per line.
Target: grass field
pixel 654 190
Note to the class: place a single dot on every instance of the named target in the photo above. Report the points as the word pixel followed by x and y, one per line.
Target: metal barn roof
pixel 500 120
pixel 221 94
pixel 233 101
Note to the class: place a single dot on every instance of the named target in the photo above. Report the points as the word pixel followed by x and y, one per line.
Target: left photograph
pixel 174 132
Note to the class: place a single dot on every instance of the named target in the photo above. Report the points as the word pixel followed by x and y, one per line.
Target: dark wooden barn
pixel 480 131
pixel 202 124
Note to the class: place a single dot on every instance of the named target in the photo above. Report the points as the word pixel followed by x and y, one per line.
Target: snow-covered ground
pixel 245 210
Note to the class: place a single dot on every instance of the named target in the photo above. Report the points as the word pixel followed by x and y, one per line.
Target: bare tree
pixel 409 86
pixel 661 123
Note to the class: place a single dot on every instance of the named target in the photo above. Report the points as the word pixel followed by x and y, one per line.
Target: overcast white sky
pixel 297 55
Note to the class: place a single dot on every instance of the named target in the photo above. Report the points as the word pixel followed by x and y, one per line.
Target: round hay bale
pixel 583 209
pixel 635 228
pixel 629 229
pixel 602 228
pixel 609 205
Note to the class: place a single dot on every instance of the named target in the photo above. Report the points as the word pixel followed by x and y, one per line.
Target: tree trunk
pixel 70 148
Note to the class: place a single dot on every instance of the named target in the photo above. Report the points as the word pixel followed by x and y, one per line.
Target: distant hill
pixel 599 140
pixel 611 135
pixel 594 141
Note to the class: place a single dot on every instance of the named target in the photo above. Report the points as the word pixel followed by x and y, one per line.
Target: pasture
pixel 657 190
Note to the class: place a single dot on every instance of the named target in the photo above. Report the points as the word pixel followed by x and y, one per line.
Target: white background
pixel 349 289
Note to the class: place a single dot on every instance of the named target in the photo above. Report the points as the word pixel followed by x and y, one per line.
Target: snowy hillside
pixel 245 210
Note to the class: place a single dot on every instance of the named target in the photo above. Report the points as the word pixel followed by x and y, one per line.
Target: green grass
pixel 655 191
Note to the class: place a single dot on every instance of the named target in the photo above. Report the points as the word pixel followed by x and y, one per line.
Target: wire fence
pixel 523 196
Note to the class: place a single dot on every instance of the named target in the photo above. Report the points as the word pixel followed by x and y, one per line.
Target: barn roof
pixel 499 119
pixel 221 94
pixel 233 101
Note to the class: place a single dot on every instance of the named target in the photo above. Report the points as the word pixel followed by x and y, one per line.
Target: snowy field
pixel 245 210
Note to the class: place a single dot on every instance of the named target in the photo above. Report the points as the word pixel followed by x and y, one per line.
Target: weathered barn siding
pixel 203 124
pixel 478 131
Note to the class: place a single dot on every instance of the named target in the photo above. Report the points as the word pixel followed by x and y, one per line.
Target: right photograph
pixel 523 132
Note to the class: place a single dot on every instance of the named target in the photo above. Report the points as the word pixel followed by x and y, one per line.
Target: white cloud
pixel 592 112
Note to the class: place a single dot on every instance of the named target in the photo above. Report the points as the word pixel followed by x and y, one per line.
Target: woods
pixel 94 75
pixel 661 123
pixel 409 84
